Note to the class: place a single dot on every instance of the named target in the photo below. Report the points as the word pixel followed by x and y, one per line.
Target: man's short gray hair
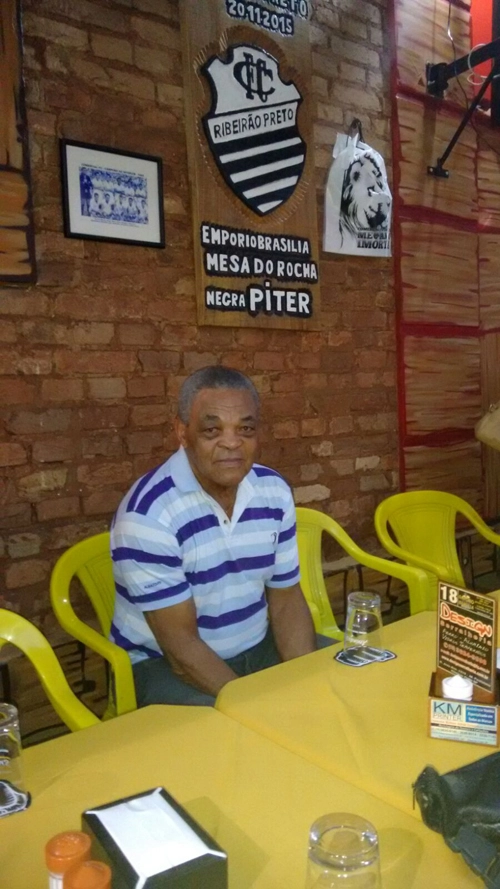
pixel 213 377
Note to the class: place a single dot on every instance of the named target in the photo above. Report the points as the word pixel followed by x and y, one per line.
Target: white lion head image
pixel 366 201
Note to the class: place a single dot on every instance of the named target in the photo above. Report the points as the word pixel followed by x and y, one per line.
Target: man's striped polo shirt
pixel 171 541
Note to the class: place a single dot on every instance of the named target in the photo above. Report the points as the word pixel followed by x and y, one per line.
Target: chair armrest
pixel 484 529
pixel 421 587
pixel 123 678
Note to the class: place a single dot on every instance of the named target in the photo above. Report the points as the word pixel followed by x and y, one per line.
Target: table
pixel 367 725
pixel 255 798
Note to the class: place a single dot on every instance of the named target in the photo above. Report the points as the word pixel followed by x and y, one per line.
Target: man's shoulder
pixel 264 477
pixel 151 493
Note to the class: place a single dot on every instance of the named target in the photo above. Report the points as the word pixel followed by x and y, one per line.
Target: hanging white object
pixel 358 201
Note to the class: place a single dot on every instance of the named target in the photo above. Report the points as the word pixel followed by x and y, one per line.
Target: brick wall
pixel 93 355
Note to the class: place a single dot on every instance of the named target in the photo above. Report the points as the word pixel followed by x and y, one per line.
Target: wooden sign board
pixel 17 249
pixel 247 80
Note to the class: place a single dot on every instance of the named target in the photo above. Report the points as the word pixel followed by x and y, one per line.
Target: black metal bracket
pixel 438 76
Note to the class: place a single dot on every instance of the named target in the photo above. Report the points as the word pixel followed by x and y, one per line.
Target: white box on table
pixel 150 842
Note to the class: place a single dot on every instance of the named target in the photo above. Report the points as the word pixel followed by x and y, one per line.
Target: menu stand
pixel 466 645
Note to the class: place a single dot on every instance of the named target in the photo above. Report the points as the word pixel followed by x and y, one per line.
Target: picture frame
pixel 111 195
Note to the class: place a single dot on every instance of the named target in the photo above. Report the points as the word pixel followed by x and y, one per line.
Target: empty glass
pixel 13 795
pixel 363 624
pixel 343 853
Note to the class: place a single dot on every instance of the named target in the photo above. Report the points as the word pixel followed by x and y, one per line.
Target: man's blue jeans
pixel 156 683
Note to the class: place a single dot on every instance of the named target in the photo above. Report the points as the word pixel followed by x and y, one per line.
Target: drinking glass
pixel 363 624
pixel 13 795
pixel 343 853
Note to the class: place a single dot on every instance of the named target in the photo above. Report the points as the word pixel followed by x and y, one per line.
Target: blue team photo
pixel 112 195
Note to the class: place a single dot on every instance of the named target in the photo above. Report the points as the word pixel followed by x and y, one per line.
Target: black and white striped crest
pixel 252 127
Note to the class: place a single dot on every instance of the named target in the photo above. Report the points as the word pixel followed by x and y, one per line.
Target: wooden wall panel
pixel 422 27
pixel 17 253
pixel 488 180
pixel 443 388
pixel 424 134
pixel 439 274
pixel 211 41
pixel 489 280
pixel 455 468
pixel 490 394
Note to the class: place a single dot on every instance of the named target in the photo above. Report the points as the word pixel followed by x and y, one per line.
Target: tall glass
pixel 343 853
pixel 363 624
pixel 13 795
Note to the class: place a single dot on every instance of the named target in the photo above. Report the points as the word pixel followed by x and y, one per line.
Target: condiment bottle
pixel 64 851
pixel 88 875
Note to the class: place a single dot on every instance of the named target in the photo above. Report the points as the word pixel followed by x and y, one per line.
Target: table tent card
pixel 150 842
pixel 466 647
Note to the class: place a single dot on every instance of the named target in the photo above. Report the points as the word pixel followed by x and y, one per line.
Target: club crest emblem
pixel 251 127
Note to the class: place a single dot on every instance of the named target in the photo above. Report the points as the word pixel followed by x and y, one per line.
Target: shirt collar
pixel 186 481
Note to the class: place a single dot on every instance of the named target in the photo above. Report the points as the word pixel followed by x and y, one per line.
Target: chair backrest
pixel 90 561
pixel 310 527
pixel 28 638
pixel 423 526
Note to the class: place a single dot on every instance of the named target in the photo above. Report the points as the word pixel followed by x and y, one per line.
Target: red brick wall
pixel 92 356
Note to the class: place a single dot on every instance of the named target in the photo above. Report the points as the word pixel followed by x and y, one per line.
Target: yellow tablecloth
pixel 255 798
pixel 367 725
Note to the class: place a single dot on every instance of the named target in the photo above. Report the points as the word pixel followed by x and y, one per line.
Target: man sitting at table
pixel 205 555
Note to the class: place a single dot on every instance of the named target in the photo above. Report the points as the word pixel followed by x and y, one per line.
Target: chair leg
pixel 6 686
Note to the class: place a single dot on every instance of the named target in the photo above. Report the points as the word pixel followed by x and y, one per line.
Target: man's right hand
pixel 176 632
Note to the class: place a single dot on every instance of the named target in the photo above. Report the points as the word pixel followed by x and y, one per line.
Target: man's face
pixel 221 437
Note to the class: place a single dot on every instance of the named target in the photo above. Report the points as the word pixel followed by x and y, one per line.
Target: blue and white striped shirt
pixel 171 541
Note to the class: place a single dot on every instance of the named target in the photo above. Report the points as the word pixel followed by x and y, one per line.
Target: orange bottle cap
pixel 66 849
pixel 88 875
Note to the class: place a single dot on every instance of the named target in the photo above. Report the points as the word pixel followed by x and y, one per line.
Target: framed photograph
pixel 111 195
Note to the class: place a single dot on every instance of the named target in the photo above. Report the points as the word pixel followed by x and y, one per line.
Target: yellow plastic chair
pixel 25 636
pixel 423 526
pixel 90 562
pixel 310 526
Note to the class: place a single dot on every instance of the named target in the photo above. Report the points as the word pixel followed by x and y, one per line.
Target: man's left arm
pixel 291 621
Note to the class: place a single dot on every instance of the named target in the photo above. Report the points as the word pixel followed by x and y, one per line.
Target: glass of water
pixel 363 624
pixel 13 795
pixel 343 853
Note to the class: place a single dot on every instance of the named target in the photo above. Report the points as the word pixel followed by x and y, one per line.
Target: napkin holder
pixel 150 842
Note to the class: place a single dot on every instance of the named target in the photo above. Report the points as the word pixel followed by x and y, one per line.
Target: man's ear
pixel 180 430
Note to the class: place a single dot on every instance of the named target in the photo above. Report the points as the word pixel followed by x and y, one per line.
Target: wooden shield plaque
pixel 247 73
pixel 17 249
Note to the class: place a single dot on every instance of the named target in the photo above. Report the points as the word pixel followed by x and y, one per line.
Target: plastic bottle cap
pixel 67 849
pixel 457 687
pixel 88 875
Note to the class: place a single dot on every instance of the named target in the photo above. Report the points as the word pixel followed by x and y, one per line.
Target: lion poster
pixel 358 201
